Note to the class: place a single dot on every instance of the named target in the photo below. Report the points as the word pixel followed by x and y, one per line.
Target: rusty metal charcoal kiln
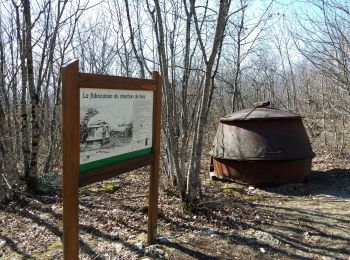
pixel 262 146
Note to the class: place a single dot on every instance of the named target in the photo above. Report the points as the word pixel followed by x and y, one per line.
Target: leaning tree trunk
pixel 193 181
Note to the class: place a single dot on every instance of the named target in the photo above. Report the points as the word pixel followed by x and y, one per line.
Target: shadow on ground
pixel 333 182
pixel 304 221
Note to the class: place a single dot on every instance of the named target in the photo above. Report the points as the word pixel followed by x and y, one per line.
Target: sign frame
pixel 72 180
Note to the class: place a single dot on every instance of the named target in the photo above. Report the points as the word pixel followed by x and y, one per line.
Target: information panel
pixel 115 125
pixel 111 125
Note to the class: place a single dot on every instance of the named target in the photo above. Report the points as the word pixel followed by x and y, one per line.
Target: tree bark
pixel 31 179
pixel 193 181
pixel 168 90
pixel 132 39
pixel 23 107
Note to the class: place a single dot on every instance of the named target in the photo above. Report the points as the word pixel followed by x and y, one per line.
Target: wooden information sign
pixel 111 125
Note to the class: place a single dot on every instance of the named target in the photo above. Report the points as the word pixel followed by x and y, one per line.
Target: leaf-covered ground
pixel 303 221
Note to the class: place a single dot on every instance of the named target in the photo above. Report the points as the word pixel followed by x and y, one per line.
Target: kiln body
pixel 262 146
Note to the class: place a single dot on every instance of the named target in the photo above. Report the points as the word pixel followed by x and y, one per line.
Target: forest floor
pixel 304 221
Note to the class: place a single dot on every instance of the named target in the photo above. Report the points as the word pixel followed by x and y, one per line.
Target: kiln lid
pixel 259 113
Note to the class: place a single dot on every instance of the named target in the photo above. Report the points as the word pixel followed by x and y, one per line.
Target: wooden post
pixel 154 175
pixel 71 154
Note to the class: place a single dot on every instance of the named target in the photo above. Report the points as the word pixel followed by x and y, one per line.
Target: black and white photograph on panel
pixel 115 125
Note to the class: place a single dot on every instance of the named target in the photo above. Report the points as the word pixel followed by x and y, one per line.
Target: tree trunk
pixel 132 39
pixel 193 181
pixel 168 90
pixel 31 178
pixel 238 64
pixel 6 152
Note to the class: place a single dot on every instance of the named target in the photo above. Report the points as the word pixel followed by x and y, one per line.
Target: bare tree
pixel 325 42
pixel 193 181
pixel 245 32
pixel 29 76
pixel 213 57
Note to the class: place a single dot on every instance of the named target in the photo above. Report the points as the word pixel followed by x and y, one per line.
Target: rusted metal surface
pixel 277 139
pixel 259 113
pixel 263 172
pixel 262 146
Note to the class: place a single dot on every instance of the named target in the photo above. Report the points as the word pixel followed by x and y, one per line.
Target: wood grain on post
pixel 154 177
pixel 88 80
pixel 71 154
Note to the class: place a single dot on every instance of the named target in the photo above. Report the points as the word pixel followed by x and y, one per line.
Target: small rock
pixel 262 250
pixel 57 209
pixel 239 227
pixel 154 252
pixel 45 216
pixel 210 231
pixel 236 214
pixel 257 217
pixel 213 235
pixel 163 240
pixel 191 235
pixel 251 188
pixel 118 246
pixel 263 237
pixel 137 246
pixel 114 235
pixel 2 243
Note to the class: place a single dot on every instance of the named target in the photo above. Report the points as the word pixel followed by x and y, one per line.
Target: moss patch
pixel 233 189
pixel 109 188
pixel 56 245
pixel 12 255
pixel 248 198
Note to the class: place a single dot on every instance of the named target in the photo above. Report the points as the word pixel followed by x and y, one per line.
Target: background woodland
pixel 216 57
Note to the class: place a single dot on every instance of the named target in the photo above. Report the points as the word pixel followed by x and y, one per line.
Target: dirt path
pixel 313 219
pixel 300 221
